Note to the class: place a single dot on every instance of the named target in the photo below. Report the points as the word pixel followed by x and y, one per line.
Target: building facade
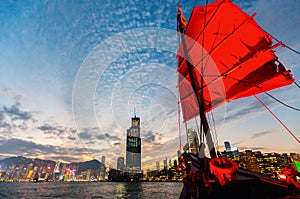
pixel 133 147
pixel 227 146
pixel 120 164
pixel 193 141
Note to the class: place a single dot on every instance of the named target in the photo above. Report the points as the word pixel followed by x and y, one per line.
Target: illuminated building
pixel 248 160
pixel 133 147
pixel 102 174
pixel 166 163
pixel 227 146
pixel 103 160
pixel 296 160
pixel 175 163
pixel 120 164
pixel 193 141
pixel 271 164
pixel 230 152
pixel 29 174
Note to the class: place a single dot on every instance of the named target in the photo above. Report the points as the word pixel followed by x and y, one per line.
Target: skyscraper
pixel 103 160
pixel 120 164
pixel 193 141
pixel 133 147
pixel 166 163
pixel 157 166
pixel 227 146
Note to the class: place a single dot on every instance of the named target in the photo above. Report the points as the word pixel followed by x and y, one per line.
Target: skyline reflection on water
pixel 91 190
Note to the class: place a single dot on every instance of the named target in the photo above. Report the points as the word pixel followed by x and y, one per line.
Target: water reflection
pixel 134 189
pixel 128 190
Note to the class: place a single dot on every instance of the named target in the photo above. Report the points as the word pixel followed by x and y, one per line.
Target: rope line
pixel 286 128
pixel 296 109
pixel 179 128
pixel 284 45
pixel 296 84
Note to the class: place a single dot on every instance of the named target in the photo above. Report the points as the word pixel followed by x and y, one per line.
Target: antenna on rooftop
pixel 134 112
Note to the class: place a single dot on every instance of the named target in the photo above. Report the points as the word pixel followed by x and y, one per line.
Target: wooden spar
pixel 200 101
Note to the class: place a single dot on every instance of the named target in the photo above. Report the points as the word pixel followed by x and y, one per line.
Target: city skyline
pixel 47 46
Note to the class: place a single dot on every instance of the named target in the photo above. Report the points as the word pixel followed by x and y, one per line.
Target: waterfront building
pixel 102 174
pixel 295 158
pixel 249 161
pixel 193 141
pixel 103 160
pixel 175 163
pixel 133 147
pixel 227 146
pixel 157 166
pixel 166 163
pixel 230 152
pixel 120 163
pixel 272 164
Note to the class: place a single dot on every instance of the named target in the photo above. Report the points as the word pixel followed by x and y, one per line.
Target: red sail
pixel 231 52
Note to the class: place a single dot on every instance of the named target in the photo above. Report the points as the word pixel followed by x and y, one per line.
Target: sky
pixel 73 73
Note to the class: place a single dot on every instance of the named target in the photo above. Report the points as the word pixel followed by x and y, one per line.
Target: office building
pixel 133 147
pixel 193 141
pixel 120 164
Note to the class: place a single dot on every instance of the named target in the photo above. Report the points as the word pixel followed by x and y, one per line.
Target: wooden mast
pixel 200 101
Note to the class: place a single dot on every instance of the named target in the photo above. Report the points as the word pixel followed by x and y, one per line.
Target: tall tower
pixel 133 147
pixel 103 160
pixel 193 141
pixel 120 163
pixel 227 146
pixel 157 166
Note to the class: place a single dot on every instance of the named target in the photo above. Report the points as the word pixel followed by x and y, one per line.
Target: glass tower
pixel 133 147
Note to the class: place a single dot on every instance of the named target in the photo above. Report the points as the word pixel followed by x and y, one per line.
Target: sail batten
pixel 235 59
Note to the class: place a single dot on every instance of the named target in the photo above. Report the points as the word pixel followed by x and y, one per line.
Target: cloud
pixel 101 137
pixel 55 129
pixel 112 137
pixel 260 134
pixel 243 148
pixel 70 137
pixel 13 117
pixel 1 116
pixel 246 107
pixel 16 113
pixel 252 137
pixel 149 137
pixel 47 127
pixel 19 146
pixel 85 135
pixel 16 146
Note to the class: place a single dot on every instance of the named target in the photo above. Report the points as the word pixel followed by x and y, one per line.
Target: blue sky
pixel 72 73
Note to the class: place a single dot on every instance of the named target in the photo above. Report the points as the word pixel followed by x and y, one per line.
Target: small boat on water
pixel 225 55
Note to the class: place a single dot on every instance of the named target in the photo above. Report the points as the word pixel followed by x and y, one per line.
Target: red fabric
pixel 234 54
pixel 224 170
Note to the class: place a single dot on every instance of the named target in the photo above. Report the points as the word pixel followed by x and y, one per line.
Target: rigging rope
pixel 288 130
pixel 284 45
pixel 296 84
pixel 296 109
pixel 213 130
pixel 179 128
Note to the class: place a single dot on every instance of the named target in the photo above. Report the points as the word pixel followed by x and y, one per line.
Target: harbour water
pixel 80 190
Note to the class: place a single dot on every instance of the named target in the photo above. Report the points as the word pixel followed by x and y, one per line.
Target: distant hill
pixel 20 160
pixel 89 165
